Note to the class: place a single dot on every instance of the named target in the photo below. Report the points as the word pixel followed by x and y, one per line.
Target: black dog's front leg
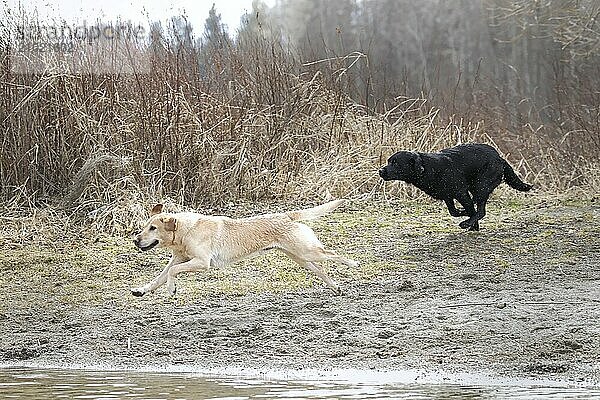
pixel 453 210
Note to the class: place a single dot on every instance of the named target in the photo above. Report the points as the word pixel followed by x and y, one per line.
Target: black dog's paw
pixel 470 225
pixel 475 226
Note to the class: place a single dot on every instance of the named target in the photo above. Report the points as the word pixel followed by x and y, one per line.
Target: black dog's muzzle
pixel 383 174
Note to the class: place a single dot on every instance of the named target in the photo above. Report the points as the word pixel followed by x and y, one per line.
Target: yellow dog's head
pixel 158 231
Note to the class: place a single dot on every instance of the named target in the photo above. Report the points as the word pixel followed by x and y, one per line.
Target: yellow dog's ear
pixel 170 224
pixel 157 209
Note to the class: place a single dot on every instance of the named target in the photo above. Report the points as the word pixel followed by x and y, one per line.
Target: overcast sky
pixel 78 11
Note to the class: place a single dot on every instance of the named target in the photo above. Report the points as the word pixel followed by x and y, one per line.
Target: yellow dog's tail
pixel 315 212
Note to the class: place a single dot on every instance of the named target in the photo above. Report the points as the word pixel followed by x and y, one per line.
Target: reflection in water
pixel 20 383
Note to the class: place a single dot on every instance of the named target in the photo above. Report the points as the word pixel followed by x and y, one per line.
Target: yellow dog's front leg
pixel 193 265
pixel 160 280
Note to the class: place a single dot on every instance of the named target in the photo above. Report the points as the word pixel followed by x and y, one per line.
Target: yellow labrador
pixel 199 242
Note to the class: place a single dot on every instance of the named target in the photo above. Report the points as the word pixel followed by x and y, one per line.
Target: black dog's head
pixel 402 166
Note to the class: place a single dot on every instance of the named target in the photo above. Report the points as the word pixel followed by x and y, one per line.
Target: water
pixel 34 383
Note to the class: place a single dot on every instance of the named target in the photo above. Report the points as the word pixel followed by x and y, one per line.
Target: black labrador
pixel 467 173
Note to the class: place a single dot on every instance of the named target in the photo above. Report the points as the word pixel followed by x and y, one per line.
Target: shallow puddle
pixel 29 383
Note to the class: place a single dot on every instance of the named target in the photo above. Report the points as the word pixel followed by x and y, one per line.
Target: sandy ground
pixel 519 298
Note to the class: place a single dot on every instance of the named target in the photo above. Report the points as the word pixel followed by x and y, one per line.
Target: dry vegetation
pixel 257 125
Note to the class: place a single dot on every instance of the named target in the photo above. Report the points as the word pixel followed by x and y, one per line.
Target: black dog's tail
pixel 513 180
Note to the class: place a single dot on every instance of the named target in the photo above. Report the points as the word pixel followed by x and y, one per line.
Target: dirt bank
pixel 521 297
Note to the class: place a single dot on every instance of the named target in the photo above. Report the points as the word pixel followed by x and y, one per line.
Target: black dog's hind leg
pixel 481 193
pixel 453 210
pixel 472 223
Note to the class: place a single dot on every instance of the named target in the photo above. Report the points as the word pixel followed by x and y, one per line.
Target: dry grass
pixel 254 124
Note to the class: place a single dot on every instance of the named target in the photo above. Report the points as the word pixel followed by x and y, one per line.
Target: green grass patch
pixel 385 237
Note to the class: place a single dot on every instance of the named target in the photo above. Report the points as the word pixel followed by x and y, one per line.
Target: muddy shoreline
pixel 521 298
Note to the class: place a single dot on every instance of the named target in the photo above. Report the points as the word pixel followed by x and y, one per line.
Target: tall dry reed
pixel 248 122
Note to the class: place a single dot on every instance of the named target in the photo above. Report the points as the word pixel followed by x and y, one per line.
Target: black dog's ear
pixel 417 163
